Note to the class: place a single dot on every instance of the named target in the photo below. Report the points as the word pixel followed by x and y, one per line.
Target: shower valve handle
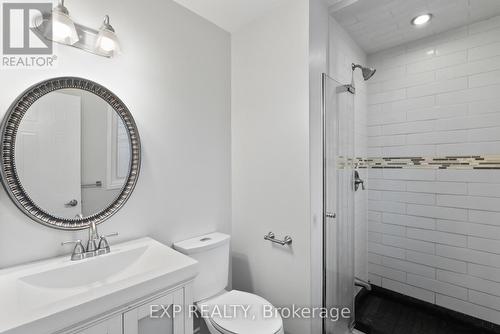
pixel 358 181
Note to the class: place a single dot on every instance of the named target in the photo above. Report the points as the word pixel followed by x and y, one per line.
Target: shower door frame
pixel 340 89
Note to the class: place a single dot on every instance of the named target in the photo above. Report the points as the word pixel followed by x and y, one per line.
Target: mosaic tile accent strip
pixel 447 162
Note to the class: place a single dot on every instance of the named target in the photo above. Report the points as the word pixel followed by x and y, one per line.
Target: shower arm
pixel 354 67
pixel 349 88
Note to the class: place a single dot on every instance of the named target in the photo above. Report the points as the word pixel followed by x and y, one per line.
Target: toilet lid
pixel 238 312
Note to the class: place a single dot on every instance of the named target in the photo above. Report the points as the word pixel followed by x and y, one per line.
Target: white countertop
pixel 43 297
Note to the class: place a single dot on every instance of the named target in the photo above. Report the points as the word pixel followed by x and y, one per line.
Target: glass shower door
pixel 338 204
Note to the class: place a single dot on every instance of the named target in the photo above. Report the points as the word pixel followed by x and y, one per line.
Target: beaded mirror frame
pixel 8 133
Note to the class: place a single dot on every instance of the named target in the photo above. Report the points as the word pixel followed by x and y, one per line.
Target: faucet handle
pixel 71 242
pixel 78 251
pixel 103 247
pixel 76 242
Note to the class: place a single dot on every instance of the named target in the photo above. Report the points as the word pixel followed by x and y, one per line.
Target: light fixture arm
pixel 62 8
pixel 106 24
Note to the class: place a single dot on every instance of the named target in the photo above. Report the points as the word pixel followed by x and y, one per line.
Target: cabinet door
pixel 110 326
pixel 156 317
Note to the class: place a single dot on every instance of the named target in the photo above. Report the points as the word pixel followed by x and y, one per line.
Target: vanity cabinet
pixel 164 319
pixel 169 316
pixel 110 326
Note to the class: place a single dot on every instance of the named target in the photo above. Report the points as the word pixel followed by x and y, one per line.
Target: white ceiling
pixel 381 24
pixel 230 15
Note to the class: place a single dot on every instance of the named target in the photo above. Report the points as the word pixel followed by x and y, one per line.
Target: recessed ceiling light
pixel 421 19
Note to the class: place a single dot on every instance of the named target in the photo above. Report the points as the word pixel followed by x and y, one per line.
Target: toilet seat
pixel 235 321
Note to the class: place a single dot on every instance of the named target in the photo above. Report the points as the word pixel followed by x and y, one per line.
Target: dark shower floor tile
pixel 385 312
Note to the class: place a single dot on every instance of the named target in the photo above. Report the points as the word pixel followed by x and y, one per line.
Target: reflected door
pixel 338 203
pixel 48 154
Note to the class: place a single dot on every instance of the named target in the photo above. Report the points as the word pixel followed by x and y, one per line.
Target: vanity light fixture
pixel 63 27
pixel 421 19
pixel 107 42
pixel 57 26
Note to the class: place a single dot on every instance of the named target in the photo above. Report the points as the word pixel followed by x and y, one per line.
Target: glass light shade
pixel 107 42
pixel 63 28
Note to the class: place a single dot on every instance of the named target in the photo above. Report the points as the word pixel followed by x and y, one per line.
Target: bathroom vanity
pixel 109 294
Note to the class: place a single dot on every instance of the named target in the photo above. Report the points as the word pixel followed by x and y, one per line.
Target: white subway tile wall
pixel 435 234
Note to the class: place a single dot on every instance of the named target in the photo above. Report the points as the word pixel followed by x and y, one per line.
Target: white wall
pixel 174 75
pixel 435 234
pixel 343 52
pixel 270 157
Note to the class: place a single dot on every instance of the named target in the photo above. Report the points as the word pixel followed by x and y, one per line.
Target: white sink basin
pixel 92 272
pixel 66 292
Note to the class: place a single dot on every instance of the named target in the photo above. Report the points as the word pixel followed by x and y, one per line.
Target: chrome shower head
pixel 368 72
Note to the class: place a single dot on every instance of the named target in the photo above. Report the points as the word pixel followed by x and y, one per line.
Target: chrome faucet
pixel 92 242
pixel 96 245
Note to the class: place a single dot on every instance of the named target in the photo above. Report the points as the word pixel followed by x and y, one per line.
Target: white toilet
pixel 224 311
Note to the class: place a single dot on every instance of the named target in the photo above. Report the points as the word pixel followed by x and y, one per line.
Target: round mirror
pixel 70 153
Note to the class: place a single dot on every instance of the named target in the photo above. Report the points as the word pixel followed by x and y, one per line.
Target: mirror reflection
pixel 72 153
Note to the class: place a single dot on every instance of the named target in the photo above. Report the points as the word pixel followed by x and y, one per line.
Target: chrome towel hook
pixel 271 237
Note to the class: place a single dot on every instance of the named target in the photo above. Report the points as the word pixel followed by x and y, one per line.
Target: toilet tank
pixel 212 253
